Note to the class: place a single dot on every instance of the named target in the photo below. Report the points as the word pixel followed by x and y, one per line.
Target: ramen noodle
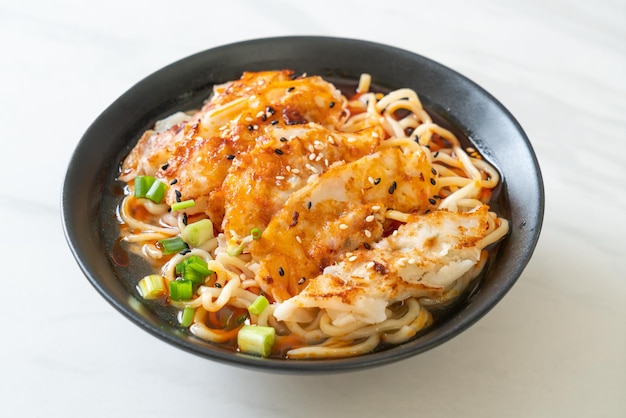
pixel 339 224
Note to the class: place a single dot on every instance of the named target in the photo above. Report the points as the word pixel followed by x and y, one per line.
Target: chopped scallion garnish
pixel 256 339
pixel 142 185
pixel 185 204
pixel 256 233
pixel 157 191
pixel 151 287
pixel 259 305
pixel 186 317
pixel 181 290
pixel 198 232
pixel 172 245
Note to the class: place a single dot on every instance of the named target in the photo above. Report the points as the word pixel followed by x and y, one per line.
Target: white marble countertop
pixel 554 346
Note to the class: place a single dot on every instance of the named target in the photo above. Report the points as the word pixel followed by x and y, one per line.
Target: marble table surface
pixel 554 347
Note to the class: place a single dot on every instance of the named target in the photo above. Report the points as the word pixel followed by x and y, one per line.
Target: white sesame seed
pixel 371 180
pixel 351 140
pixel 280 177
pixel 299 239
pixel 369 218
pixel 375 208
pixel 395 233
pixel 311 148
pixel 326 162
pixel 352 258
pixel 374 134
pixel 368 233
pixel 349 254
pixel 331 140
pixel 258 115
pixel 256 126
pixel 311 157
pixel 295 171
pixel 249 119
pixel 311 168
pixel 319 157
pixel 319 146
pixel 343 226
pixel 370 265
pixel 288 168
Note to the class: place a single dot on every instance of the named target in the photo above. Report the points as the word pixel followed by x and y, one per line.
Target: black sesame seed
pixel 437 196
pixel 416 139
pixel 376 181
pixel 427 212
pixel 230 157
pixel 332 104
pixel 308 205
pixel 264 117
pixel 173 182
pixel 274 122
pixel 290 89
pixel 269 110
pixel 432 201
pixel 433 182
pixel 185 251
pixel 432 170
pixel 301 280
pixel 282 138
pixel 367 246
pixel 392 188
pixel 185 220
pixel 435 154
pixel 178 195
pixel 409 131
pixel 218 285
pixel 293 76
pixel 250 127
pixel 281 271
pixel 164 166
pixel 278 151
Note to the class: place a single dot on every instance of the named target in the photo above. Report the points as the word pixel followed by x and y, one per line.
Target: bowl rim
pixel 82 247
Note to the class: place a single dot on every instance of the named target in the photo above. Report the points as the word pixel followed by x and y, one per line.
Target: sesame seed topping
pixel 370 179
pixel 295 171
pixel 278 151
pixel 374 134
pixel 351 140
pixel 290 89
pixel 298 239
pixel 370 265
pixel 352 258
pixel 375 208
pixel 432 170
pixel 230 156
pixel 311 168
pixel 311 148
pixel 173 182
pixel 367 246
pixel 331 105
pixel 309 204
pixel 164 166
pixel 281 271
pixel 369 218
pixel 432 181
pixel 312 156
pixel 343 226
pixel 274 122
pixel 368 234
pixel 392 188
pixel 280 177
pixel 301 280
pixel 319 157
pixel 432 201
pixel 283 139
pixel 331 140
pixel 377 181
pixel 261 113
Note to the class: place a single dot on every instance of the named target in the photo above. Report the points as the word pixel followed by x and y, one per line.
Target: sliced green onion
pixel 200 268
pixel 186 317
pixel 259 305
pixel 256 339
pixel 151 287
pixel 198 233
pixel 256 233
pixel 172 245
pixel 181 290
pixel 142 185
pixel 157 191
pixel 232 249
pixel 194 269
pixel 185 204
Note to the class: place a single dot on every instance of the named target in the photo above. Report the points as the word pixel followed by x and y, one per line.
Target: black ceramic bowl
pixel 88 205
